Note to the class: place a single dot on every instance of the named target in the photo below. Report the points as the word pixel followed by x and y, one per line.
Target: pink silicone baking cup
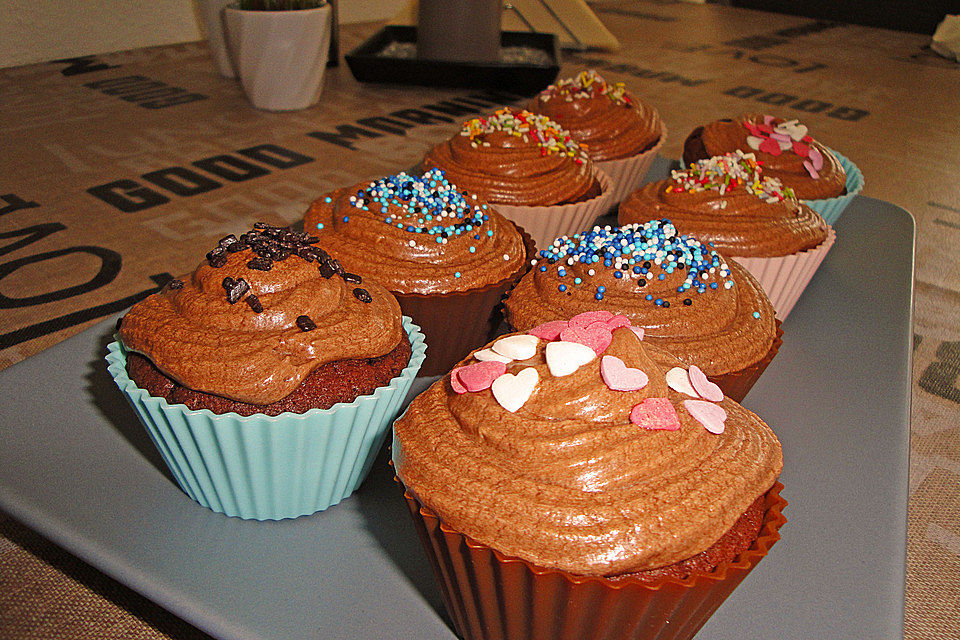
pixel 491 596
pixel 628 174
pixel 784 278
pixel 546 224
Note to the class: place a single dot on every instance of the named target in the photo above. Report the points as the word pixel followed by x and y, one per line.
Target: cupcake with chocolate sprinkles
pixel 685 297
pixel 527 166
pixel 267 377
pixel 444 253
pixel 620 132
pixel 730 202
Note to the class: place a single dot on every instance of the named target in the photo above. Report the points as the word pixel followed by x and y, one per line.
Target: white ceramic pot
pixel 280 56
pixel 211 11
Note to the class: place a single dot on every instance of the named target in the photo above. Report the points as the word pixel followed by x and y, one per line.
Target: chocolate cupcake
pixel 587 487
pixel 529 168
pixel 816 174
pixel 730 203
pixel 269 366
pixel 444 253
pixel 688 299
pixel 621 133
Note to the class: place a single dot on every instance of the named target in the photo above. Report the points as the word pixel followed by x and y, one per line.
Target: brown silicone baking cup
pixel 491 596
pixel 736 384
pixel 455 323
pixel 547 223
pixel 628 174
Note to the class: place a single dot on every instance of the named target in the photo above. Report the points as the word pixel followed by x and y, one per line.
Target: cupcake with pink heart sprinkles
pixel 516 367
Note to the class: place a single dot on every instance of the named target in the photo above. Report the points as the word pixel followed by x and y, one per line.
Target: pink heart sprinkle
pixel 711 416
pixel 589 317
pixel 455 383
pixel 480 375
pixel 809 167
pixel 655 413
pixel 780 136
pixel 801 149
pixel 816 158
pixel 549 330
pixel 619 377
pixel 596 337
pixel 769 145
pixel 768 120
pixel 702 385
pixel 618 321
pixel 638 331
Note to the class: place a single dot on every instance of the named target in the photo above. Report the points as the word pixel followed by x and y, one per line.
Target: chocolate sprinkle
pixel 217 258
pixel 175 284
pixel 326 269
pixel 254 303
pixel 352 278
pixel 235 288
pixel 260 264
pixel 362 295
pixel 305 323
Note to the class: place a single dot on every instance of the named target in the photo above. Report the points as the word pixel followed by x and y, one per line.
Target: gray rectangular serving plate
pixel 76 466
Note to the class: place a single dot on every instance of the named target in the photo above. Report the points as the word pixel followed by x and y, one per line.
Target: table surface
pixel 79 469
pixel 70 260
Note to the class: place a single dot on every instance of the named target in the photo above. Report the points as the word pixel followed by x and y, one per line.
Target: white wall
pixel 40 30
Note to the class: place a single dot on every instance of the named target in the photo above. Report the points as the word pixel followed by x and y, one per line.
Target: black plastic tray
pixel 367 65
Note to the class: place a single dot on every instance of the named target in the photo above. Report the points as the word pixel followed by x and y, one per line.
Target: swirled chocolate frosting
pixel 259 315
pixel 729 202
pixel 783 147
pixel 518 158
pixel 604 118
pixel 549 459
pixel 416 234
pixel 690 301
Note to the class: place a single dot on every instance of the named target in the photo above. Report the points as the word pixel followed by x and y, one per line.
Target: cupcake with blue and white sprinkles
pixel 446 254
pixel 684 296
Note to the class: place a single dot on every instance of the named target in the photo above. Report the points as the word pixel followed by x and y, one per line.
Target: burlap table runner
pixel 119 170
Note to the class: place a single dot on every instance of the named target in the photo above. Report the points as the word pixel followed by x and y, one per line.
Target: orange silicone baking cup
pixel 457 322
pixel 491 596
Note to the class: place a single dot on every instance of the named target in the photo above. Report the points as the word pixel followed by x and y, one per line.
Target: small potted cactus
pixel 279 50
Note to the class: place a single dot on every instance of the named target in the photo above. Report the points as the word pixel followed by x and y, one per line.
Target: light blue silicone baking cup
pixel 831 208
pixel 270 467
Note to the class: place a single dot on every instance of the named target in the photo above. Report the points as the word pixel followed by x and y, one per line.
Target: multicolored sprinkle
pixel 587 84
pixel 730 172
pixel 549 135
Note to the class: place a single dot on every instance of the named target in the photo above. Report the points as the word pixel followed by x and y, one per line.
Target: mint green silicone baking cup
pixel 831 208
pixel 270 467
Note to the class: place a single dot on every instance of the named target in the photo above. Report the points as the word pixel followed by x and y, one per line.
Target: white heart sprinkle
pixel 513 391
pixel 754 142
pixel 519 347
pixel 489 355
pixel 785 144
pixel 563 358
pixel 679 380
